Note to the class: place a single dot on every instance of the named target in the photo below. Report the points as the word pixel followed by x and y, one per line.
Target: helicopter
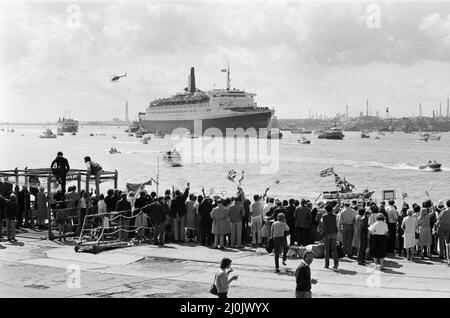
pixel 116 78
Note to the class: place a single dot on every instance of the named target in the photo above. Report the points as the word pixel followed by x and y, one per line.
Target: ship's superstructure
pixel 67 125
pixel 218 108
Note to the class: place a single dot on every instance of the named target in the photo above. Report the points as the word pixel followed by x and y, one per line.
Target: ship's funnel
pixel 191 81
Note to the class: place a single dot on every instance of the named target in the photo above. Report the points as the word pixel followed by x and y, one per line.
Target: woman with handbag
pixel 279 231
pixel 221 281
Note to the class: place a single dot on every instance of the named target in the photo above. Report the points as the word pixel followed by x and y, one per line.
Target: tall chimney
pixel 440 109
pixel 347 111
pixel 126 112
pixel 448 107
pixel 367 107
pixel 191 81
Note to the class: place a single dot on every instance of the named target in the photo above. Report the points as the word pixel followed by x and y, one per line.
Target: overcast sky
pixel 295 55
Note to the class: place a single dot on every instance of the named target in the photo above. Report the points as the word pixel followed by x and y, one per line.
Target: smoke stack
pixel 440 109
pixel 191 81
pixel 448 107
pixel 126 112
pixel 367 107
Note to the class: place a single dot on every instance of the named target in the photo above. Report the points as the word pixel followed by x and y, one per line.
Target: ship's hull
pixel 69 129
pixel 243 120
pixel 333 195
pixel 335 136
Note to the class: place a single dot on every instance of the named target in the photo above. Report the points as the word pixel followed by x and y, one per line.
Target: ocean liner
pixel 67 125
pixel 218 108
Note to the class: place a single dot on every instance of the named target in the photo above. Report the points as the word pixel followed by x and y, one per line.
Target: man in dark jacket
pixel 23 202
pixel 303 276
pixel 290 221
pixel 330 229
pixel 303 223
pixel 60 167
pixel 157 217
pixel 178 213
pixel 111 201
pixel 124 207
pixel 204 209
pixel 364 236
pixel 11 214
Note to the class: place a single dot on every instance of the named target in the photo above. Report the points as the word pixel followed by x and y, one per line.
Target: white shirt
pixel 392 214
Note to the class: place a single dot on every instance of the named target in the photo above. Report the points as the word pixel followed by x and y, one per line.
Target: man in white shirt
pixel 256 211
pixel 393 216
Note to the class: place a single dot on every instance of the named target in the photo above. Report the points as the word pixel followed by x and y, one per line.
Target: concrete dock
pixel 34 267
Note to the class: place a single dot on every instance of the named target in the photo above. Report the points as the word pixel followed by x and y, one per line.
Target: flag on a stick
pixel 231 175
pixel 327 172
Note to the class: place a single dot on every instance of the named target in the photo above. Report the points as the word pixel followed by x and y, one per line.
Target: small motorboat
pixel 48 134
pixel 365 134
pixel 173 158
pixel 433 165
pixel 114 137
pixel 304 141
pixel 434 137
pixel 376 137
pixel 113 151
pixel 159 134
pixel 146 138
pixel 91 135
pixel 74 134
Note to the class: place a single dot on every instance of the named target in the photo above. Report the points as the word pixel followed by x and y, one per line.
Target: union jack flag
pixel 231 175
pixel 327 172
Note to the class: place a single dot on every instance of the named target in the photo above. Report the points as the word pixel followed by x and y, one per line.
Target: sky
pixel 297 56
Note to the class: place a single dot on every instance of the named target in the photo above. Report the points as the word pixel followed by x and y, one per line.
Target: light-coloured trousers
pixel 178 227
pixel 236 234
pixel 256 225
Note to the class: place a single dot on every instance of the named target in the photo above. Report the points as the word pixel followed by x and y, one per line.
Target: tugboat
pixel 48 134
pixel 433 165
pixel 113 150
pixel 173 158
pixel 365 134
pixel 332 133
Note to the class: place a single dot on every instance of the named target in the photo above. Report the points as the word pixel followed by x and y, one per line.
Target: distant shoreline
pixel 55 123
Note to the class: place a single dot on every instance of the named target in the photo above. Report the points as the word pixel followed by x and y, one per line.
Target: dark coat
pixel 155 212
pixel 124 205
pixel 11 210
pixel 140 203
pixel 303 217
pixel 204 209
pixel 60 166
pixel 111 203
pixel 178 205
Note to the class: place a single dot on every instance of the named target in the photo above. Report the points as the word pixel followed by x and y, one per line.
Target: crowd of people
pixel 362 229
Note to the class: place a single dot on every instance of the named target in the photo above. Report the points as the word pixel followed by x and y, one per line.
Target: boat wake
pixel 369 164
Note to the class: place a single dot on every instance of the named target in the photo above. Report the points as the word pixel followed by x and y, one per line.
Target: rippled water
pixel 389 163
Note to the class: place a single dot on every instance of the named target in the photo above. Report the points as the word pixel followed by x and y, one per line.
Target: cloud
pixel 437 29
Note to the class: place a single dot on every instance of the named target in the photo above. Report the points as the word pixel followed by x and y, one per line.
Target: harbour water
pixel 389 163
